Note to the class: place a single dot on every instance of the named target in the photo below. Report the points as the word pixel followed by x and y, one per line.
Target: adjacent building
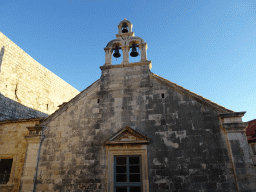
pixel 28 93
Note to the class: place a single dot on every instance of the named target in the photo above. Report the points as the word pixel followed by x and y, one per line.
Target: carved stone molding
pixel 127 142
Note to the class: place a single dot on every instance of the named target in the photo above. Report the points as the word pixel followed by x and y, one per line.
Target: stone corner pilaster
pixel 234 126
pixel 29 173
pixel 239 150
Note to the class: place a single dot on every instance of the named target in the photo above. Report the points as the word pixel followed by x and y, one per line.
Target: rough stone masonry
pixel 27 89
pixel 191 146
pixel 184 142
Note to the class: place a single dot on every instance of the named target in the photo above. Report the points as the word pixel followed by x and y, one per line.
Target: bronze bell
pixel 116 53
pixel 134 52
pixel 124 26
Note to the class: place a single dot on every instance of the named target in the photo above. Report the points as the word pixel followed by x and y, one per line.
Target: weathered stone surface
pixel 14 145
pixel 241 154
pixel 185 142
pixel 188 150
pixel 27 89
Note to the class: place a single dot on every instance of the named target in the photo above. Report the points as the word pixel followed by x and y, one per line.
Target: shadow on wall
pixel 10 109
pixel 1 56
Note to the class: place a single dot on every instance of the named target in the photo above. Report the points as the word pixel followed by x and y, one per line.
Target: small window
pixel 5 170
pixel 98 101
pixel 163 122
pixel 162 95
pixel 127 174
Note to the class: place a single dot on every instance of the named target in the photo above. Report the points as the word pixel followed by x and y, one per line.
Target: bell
pixel 124 26
pixel 116 54
pixel 134 52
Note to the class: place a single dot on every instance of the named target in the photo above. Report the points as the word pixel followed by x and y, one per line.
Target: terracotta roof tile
pixel 197 97
pixel 251 131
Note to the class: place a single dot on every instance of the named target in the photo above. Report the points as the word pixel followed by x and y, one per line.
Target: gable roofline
pixel 66 105
pixel 182 90
pixel 176 87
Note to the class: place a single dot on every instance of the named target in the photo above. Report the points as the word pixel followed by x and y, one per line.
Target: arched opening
pixel 134 53
pixel 117 55
pixel 125 28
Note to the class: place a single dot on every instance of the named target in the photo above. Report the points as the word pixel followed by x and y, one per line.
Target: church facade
pixel 133 131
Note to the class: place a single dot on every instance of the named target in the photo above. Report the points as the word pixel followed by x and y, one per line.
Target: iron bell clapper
pixel 124 26
pixel 134 52
pixel 116 53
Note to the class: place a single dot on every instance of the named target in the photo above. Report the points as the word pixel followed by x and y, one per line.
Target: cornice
pixel 127 65
pixel 34 138
pixel 235 126
pixel 131 34
pixel 232 114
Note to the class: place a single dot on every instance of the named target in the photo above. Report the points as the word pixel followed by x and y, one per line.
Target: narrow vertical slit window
pixel 162 95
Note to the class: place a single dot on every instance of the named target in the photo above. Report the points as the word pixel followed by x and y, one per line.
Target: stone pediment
pixel 127 135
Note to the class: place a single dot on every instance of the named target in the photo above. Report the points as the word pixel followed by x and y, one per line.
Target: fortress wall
pixel 27 89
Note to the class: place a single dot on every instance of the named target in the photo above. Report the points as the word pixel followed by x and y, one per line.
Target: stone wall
pixel 241 153
pixel 27 89
pixel 14 145
pixel 188 150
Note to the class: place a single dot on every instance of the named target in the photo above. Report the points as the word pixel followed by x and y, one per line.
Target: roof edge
pixel 22 120
pixel 233 114
pixel 65 106
pixel 197 97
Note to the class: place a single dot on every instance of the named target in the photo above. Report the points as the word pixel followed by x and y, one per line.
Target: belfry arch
pixel 122 23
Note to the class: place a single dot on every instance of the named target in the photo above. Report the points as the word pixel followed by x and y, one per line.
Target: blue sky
pixel 205 46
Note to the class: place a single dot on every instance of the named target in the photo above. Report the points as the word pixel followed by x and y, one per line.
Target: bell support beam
pixel 108 56
pixel 125 50
pixel 143 49
pixel 119 29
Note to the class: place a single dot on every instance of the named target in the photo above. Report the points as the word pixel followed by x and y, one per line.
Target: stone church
pixel 129 131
